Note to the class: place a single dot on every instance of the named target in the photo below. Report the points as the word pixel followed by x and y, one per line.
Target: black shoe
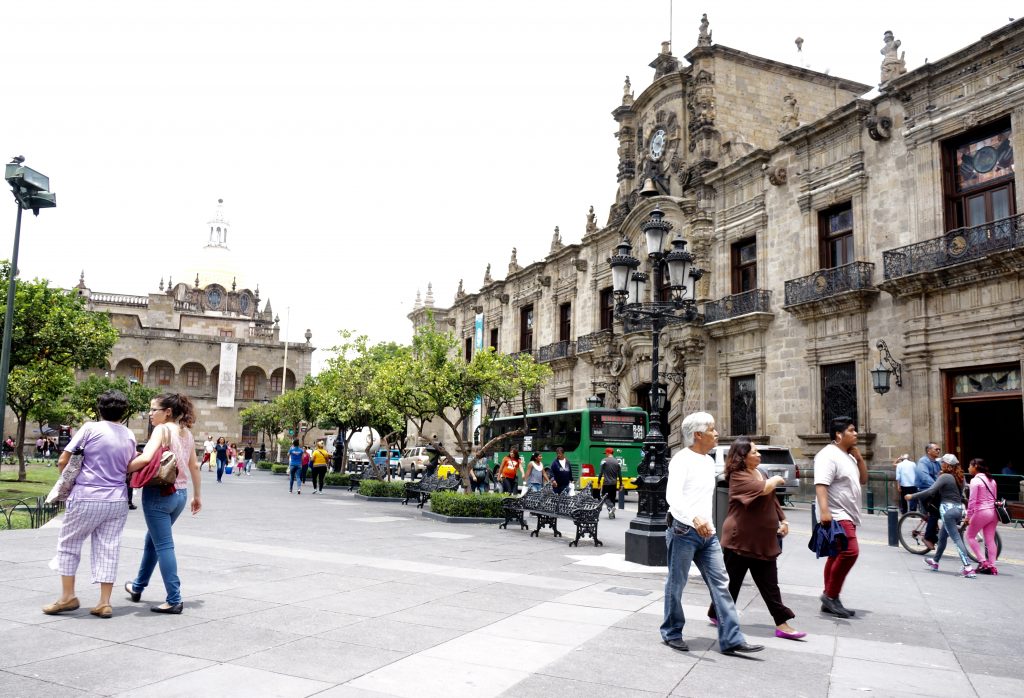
pixel 844 608
pixel 135 596
pixel 678 645
pixel 132 506
pixel 833 607
pixel 743 648
pixel 175 609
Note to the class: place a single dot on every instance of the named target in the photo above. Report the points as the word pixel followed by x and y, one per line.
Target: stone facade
pixel 826 220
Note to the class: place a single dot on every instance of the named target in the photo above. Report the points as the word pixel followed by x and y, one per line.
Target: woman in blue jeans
pixel 295 454
pixel 172 415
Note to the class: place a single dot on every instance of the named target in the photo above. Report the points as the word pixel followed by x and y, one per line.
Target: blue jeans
pixel 684 547
pixel 534 486
pixel 160 513
pixel 221 464
pixel 951 516
pixel 294 473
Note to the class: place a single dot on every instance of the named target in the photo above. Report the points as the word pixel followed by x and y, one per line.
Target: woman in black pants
pixel 319 461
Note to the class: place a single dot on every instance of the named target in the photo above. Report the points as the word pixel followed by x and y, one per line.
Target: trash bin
pixel 721 504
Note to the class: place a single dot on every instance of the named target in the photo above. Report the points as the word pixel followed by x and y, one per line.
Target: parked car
pixel 390 457
pixel 414 460
pixel 775 460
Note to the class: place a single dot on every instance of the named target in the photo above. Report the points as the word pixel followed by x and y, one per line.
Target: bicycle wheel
pixel 981 544
pixel 911 527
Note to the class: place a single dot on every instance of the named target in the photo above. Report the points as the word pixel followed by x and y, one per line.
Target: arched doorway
pixel 985 416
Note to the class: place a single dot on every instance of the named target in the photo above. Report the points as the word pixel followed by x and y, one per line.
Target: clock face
pixel 658 143
pixel 213 299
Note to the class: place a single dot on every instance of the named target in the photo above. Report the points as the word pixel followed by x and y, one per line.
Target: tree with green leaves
pixel 265 419
pixel 53 334
pixel 81 400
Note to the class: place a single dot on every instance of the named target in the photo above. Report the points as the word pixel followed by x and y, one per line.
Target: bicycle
pixel 912 526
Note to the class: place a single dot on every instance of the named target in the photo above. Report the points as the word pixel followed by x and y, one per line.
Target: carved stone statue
pixel 591 221
pixel 892 65
pixel 627 92
pixel 790 114
pixel 704 37
pixel 513 263
pixel 487 275
pixel 556 241
pixel 461 291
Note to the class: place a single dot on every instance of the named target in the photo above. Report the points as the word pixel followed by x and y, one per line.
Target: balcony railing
pixel 588 341
pixel 120 299
pixel 955 247
pixel 261 332
pixel 558 350
pixel 754 301
pixel 826 283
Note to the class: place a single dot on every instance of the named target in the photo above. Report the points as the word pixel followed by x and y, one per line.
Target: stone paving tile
pixel 490 601
pixel 334 662
pixel 421 676
pixel 218 640
pixel 659 672
pixel 576 614
pixel 295 589
pixel 16 686
pixel 349 691
pixel 112 669
pixel 543 686
pixel 894 653
pixel 996 685
pixel 130 622
pixel 443 615
pixel 31 643
pixel 230 680
pixel 559 632
pixel 297 620
pixel 799 676
pixel 985 664
pixel 865 676
pixel 218 606
pixel 391 634
pixel 378 600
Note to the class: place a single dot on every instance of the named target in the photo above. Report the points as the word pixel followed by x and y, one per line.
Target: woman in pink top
pixel 171 414
pixel 981 515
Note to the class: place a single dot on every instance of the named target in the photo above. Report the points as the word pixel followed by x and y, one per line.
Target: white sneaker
pixel 931 563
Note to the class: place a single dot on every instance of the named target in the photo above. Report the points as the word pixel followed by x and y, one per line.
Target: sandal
pixel 104 611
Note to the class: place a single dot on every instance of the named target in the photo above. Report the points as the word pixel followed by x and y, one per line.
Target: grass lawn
pixel 40 479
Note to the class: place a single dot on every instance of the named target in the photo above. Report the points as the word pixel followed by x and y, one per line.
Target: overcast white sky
pixel 364 149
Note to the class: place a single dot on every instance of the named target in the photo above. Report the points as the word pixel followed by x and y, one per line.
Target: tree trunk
pixel 19 446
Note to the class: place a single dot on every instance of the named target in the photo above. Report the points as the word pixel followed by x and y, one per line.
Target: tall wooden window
pixel 743 405
pixel 564 322
pixel 607 308
pixel 248 386
pixel 494 338
pixel 561 404
pixel 835 226
pixel 978 176
pixel 164 374
pixel 838 393
pixel 193 377
pixel 275 384
pixel 744 266
pixel 225 333
pixel 526 328
pixel 469 348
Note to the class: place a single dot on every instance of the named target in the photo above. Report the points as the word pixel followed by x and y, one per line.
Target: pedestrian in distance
pixel 295 455
pixel 221 451
pixel 690 538
pixel 560 471
pixel 752 534
pixel 247 453
pixel 906 480
pixel 318 461
pixel 839 474
pixel 947 488
pixel 233 459
pixel 611 480
pixel 925 472
pixel 208 449
pixel 480 476
pixel 97 507
pixel 511 466
pixel 981 515
pixel 172 416
pixel 535 474
pixel 307 455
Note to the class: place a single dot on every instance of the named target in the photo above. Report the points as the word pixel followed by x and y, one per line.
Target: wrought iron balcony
pixel 558 350
pixel 955 247
pixel 826 283
pixel 588 341
pixel 753 301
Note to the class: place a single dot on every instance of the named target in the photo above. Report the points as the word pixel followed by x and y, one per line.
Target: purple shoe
pixel 713 621
pixel 789 636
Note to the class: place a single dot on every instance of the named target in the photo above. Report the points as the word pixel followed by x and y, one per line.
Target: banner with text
pixel 228 367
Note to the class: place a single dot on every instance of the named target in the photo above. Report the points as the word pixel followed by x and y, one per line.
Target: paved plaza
pixel 335 596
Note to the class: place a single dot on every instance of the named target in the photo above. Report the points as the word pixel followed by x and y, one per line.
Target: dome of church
pixel 214 263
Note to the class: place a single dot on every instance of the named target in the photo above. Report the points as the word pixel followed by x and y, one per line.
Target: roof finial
pixel 161 283
pixel 81 279
pixel 429 300
pixel 419 302
pixel 197 280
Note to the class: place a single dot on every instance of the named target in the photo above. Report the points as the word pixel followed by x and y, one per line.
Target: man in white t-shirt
pixel 691 537
pixel 208 448
pixel 906 478
pixel 839 474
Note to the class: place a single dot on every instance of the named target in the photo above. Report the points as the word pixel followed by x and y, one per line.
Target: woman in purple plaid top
pixel 97 507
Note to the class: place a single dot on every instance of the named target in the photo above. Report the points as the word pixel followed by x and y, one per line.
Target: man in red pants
pixel 839 474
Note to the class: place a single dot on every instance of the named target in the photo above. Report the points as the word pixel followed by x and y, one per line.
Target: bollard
pixel 622 498
pixel 871 502
pixel 894 525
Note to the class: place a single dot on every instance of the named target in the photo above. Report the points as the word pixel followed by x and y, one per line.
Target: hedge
pixel 338 479
pixel 382 488
pixel 278 468
pixel 485 506
pixel 264 465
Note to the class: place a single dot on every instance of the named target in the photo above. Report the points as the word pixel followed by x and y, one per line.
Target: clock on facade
pixel 213 298
pixel 658 143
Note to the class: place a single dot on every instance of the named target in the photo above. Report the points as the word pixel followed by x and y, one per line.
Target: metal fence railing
pixel 27 512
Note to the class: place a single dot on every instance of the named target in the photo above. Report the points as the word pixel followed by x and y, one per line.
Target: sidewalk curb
pixel 460 519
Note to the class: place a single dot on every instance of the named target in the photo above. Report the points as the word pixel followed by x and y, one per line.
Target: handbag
pixel 161 471
pixel 1000 504
pixel 66 482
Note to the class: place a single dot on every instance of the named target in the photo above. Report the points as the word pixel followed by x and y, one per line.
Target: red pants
pixel 836 568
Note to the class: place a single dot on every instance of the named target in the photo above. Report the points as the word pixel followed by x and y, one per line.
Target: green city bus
pixel 584 434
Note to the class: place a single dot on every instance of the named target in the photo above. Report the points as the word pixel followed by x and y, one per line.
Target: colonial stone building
pixel 828 216
pixel 185 336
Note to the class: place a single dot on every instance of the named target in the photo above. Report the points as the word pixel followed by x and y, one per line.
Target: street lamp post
pixel 645 539
pixel 31 191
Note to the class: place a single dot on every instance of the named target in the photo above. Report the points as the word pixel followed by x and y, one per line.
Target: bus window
pixel 617 427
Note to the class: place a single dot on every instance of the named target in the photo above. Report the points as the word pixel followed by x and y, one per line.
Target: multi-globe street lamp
pixel 32 192
pixel 645 539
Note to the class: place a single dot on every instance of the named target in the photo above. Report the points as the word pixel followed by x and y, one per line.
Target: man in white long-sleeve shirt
pixel 691 537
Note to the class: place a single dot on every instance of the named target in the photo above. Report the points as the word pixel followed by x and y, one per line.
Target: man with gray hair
pixel 691 537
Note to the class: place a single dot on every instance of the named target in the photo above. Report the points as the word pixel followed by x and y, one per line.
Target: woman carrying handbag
pixel 172 415
pixel 982 516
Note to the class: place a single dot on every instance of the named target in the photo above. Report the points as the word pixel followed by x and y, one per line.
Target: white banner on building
pixel 228 367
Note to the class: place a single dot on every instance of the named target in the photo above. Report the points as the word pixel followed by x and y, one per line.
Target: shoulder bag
pixel 66 482
pixel 1000 504
pixel 161 471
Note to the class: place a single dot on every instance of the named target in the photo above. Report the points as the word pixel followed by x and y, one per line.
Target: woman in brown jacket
pixel 752 533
